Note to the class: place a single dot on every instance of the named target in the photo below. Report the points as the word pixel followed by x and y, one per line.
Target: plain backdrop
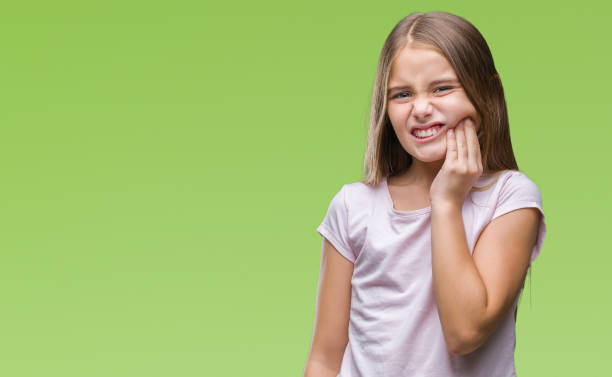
pixel 165 164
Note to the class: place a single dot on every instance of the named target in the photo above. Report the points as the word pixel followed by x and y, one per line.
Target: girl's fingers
pixel 451 145
pixel 461 147
pixel 472 146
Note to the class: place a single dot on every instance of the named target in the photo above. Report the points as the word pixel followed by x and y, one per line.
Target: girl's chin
pixel 431 157
pixel 429 160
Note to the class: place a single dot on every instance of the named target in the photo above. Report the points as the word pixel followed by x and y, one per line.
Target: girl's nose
pixel 421 108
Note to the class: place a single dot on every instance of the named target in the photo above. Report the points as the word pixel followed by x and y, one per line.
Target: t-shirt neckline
pixel 421 211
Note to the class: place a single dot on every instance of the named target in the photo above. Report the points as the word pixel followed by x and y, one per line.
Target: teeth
pixel 426 133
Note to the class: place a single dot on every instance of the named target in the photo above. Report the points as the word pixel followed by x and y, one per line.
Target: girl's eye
pixel 440 88
pixel 398 95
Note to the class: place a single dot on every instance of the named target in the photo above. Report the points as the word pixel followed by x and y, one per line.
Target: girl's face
pixel 415 99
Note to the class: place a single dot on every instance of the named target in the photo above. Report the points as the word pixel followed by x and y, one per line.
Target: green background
pixel 165 166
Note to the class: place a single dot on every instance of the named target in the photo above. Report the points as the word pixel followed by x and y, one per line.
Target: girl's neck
pixel 419 173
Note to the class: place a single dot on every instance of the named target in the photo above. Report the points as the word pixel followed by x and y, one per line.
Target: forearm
pixel 318 369
pixel 460 293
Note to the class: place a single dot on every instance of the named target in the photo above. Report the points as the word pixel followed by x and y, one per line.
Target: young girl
pixel 424 260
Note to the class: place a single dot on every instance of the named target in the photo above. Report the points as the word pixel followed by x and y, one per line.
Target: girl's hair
pixel 468 53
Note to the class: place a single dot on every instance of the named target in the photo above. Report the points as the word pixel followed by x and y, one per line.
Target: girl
pixel 423 261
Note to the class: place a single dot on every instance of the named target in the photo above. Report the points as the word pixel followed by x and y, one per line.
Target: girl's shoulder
pixel 500 178
pixel 516 179
pixel 495 188
pixel 363 188
pixel 489 189
pixel 359 194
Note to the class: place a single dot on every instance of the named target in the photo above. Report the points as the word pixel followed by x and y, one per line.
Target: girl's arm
pixel 333 303
pixel 474 292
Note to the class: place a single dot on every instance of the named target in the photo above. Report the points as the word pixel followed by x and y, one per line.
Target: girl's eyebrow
pixel 436 82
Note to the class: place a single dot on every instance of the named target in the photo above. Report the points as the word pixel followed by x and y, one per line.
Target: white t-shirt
pixel 394 328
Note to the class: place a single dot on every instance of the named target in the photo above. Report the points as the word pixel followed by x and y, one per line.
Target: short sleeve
pixel 518 191
pixel 335 225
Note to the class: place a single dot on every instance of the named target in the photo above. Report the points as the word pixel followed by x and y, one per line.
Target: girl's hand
pixel 462 166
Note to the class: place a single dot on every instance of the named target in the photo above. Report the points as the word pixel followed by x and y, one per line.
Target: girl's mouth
pixel 423 136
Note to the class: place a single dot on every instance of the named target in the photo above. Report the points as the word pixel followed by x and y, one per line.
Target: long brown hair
pixel 468 53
